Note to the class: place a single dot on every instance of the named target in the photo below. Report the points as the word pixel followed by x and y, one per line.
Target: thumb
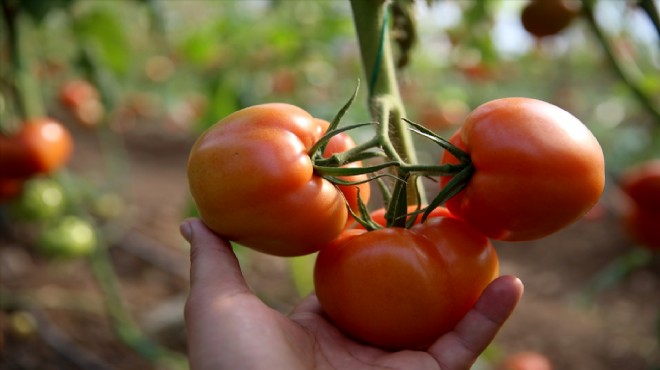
pixel 214 269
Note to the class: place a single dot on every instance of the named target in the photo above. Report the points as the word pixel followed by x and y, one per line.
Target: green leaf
pixel 200 48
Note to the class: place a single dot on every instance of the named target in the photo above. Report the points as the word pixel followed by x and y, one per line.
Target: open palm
pixel 230 328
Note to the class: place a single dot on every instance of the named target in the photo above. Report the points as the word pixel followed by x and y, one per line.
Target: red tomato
pixel 643 226
pixel 42 145
pixel 341 143
pixel 76 93
pixel 10 189
pixel 527 360
pixel 399 288
pixel 537 169
pixel 642 185
pixel 253 181
pixel 547 17
pixel 378 216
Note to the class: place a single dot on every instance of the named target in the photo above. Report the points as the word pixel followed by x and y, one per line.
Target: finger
pixel 214 269
pixel 461 347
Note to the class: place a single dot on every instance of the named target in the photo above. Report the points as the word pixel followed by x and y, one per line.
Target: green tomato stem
pixel 384 102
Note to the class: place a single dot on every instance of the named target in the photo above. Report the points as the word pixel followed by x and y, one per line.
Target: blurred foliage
pixel 243 53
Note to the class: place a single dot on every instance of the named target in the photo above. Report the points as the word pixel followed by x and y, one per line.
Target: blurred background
pixel 93 272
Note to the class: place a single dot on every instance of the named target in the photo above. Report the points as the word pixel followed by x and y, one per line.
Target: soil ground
pixel 617 329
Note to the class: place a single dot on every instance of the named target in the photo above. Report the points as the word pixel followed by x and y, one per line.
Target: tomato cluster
pixel 641 215
pixel 534 169
pixel 32 196
pixel 83 101
pixel 41 146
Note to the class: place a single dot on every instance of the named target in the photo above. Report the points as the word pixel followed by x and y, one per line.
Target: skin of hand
pixel 228 327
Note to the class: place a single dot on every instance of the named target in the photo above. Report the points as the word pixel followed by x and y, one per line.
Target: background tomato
pixel 10 189
pixel 71 236
pixel 643 226
pixel 75 93
pixel 537 169
pixel 42 145
pixel 82 99
pixel 642 185
pixel 401 288
pixel 641 211
pixel 252 180
pixel 527 360
pixel 543 18
pixel 41 198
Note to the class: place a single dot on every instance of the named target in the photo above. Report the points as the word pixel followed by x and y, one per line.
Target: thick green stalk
pixel 27 96
pixel 385 103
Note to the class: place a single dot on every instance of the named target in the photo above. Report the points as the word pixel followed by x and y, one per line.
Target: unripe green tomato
pixel 42 198
pixel 71 236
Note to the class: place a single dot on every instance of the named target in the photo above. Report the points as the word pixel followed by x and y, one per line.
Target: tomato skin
pixel 338 144
pixel 537 169
pixel 252 180
pixel 642 185
pixel 378 216
pixel 42 145
pixel 399 288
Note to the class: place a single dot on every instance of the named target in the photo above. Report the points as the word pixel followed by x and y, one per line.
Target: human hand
pixel 230 328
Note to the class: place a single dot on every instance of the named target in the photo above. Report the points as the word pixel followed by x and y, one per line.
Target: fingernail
pixel 186 230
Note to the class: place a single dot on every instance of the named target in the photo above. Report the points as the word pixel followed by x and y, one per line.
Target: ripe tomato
pixel 71 236
pixel 537 169
pixel 341 143
pixel 641 215
pixel 253 182
pixel 547 17
pixel 642 185
pixel 399 288
pixel 10 189
pixel 642 225
pixel 527 360
pixel 76 93
pixel 83 100
pixel 378 216
pixel 42 145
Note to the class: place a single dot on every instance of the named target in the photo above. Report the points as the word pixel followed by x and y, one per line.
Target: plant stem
pixel 125 327
pixel 27 97
pixel 385 105
pixel 640 95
